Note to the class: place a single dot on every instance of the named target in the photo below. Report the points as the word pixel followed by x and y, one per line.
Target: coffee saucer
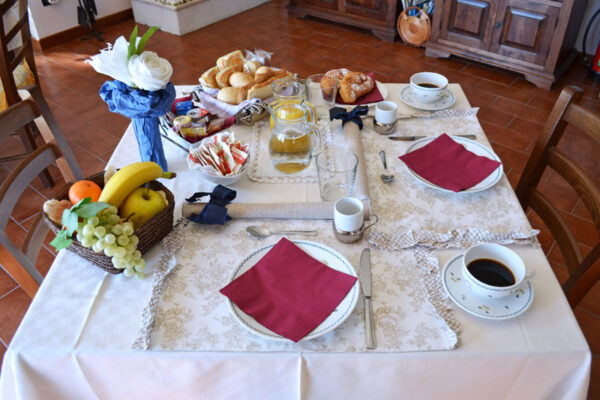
pixel 408 97
pixel 460 292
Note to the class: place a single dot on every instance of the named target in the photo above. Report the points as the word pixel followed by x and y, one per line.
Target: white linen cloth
pixel 77 346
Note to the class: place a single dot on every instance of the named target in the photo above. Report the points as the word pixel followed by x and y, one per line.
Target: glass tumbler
pixel 336 169
pixel 321 92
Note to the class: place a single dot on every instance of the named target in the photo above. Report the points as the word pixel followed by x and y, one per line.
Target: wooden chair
pixel 19 263
pixel 583 272
pixel 10 58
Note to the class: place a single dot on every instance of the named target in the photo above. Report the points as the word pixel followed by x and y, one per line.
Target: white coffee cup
pixel 428 87
pixel 348 214
pixel 494 271
pixel 386 112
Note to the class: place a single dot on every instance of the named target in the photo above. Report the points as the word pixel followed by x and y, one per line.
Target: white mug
pixel 428 87
pixel 348 214
pixel 386 112
pixel 494 271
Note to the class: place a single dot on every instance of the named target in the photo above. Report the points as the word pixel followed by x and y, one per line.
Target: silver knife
pixel 411 138
pixel 365 283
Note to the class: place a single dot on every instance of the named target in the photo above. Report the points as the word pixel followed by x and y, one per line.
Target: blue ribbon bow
pixel 345 116
pixel 214 212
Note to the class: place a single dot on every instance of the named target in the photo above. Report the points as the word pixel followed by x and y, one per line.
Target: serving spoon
pixel 263 232
pixel 385 177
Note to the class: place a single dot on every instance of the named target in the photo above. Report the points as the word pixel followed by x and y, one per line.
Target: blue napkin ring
pixel 214 212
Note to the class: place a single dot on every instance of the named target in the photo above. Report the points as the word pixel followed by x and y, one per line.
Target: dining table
pixel 91 335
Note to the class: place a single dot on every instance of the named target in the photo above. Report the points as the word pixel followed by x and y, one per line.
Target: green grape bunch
pixel 104 233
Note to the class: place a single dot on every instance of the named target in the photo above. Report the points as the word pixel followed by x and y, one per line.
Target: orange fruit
pixel 82 189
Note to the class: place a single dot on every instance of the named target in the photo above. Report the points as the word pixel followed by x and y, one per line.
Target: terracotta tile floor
pixel 512 113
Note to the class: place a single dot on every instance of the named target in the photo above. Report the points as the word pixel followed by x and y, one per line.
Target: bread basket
pixel 414 30
pixel 149 234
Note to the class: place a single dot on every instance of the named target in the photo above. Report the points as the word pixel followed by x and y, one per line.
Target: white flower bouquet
pixel 141 89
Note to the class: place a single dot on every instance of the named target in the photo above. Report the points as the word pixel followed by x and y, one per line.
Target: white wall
pixel 47 21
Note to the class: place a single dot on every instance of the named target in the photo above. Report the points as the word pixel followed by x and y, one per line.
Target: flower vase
pixel 143 107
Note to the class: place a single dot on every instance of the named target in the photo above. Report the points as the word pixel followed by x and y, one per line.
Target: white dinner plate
pixel 460 292
pixel 320 252
pixel 382 89
pixel 472 146
pixel 408 97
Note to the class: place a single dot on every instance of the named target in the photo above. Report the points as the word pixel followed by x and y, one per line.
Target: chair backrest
pixel 20 262
pixel 11 57
pixel 583 272
pixel 15 46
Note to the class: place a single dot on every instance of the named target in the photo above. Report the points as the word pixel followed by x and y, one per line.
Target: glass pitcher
pixel 294 140
pixel 287 91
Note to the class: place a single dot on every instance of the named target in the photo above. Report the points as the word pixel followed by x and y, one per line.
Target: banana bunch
pixel 129 178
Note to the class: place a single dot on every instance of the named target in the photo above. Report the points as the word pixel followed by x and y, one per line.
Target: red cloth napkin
pixel 372 97
pixel 449 165
pixel 288 291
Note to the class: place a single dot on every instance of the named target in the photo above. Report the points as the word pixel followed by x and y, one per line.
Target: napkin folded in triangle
pixel 373 96
pixel 288 291
pixel 449 165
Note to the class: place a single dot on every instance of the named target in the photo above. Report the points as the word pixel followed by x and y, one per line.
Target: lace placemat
pixel 261 169
pixel 188 312
pixel 424 245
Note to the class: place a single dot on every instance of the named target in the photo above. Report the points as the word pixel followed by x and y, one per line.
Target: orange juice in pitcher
pixel 293 139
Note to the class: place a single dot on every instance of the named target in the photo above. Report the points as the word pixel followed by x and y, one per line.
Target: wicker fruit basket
pixel 149 234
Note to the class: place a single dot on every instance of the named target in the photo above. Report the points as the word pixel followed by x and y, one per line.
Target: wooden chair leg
pixel 16 272
pixel 67 161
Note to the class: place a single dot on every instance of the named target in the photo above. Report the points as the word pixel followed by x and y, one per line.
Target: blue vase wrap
pixel 143 108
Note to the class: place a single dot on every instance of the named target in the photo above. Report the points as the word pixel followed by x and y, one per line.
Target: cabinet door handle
pixel 498 25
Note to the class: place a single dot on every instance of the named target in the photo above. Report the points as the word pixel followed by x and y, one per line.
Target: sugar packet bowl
pixel 220 158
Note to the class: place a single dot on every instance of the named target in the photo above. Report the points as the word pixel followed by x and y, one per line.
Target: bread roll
pixel 232 95
pixel 208 78
pixel 263 90
pixel 223 76
pixel 239 79
pixel 250 66
pixel 234 60
pixel 263 73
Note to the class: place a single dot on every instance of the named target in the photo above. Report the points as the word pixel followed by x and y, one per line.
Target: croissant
pixel 354 85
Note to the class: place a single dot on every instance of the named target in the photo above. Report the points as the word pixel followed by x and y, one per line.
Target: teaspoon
pixel 385 177
pixel 263 232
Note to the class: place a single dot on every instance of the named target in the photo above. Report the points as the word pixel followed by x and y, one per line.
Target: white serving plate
pixel 472 146
pixel 320 252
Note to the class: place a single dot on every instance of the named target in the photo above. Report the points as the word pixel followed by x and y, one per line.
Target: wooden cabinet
pixel 535 38
pixel 379 16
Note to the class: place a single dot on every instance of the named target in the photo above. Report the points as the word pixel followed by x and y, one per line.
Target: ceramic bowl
pixel 209 173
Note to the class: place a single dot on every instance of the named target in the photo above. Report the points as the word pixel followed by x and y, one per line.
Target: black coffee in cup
pixel 491 272
pixel 428 85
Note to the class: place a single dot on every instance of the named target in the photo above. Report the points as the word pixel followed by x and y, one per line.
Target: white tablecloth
pixel 75 340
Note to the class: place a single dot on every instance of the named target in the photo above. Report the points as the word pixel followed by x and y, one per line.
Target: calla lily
pixel 112 61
